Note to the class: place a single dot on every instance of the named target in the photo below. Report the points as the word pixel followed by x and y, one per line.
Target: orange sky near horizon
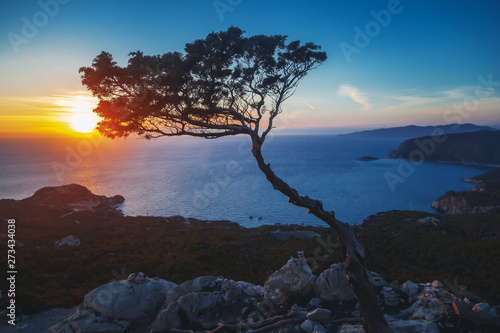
pixel 70 115
pixel 67 114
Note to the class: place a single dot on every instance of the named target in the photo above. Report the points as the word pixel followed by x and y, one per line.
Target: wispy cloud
pixel 410 101
pixel 346 90
pixel 297 113
pixel 455 93
pixel 309 105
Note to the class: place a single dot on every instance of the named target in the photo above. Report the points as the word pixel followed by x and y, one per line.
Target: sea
pixel 219 179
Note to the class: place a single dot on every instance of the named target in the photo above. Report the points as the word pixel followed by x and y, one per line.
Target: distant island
pixel 367 158
pixel 475 148
pixel 414 131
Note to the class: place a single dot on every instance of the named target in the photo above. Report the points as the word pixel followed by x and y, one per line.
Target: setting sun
pixel 79 117
pixel 84 122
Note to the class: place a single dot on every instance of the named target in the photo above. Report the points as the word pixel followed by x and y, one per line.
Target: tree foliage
pixel 225 84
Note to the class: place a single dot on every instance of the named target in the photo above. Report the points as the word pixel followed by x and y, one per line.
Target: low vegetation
pixel 462 250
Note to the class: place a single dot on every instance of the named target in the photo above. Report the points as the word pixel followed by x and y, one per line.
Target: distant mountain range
pixel 414 131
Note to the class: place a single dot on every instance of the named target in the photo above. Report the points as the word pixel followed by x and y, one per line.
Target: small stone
pixel 481 307
pixel 356 314
pixel 437 284
pixel 131 277
pixel 307 326
pixel 347 328
pixel 315 301
pixel 319 329
pixel 390 297
pixel 139 278
pixel 320 315
pixel 469 295
pixel 377 281
pixel 410 288
pixel 468 301
pixel 68 241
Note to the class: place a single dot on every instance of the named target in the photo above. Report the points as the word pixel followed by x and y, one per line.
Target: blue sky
pixel 409 67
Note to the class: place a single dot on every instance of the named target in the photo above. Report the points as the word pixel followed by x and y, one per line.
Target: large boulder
pixel 390 297
pixel 294 281
pixel 332 285
pixel 427 307
pixel 410 288
pixel 207 301
pixel 119 306
pixel 128 300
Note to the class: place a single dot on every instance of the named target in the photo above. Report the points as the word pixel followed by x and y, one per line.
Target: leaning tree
pixel 225 84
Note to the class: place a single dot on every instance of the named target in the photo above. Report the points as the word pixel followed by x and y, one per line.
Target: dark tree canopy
pixel 225 84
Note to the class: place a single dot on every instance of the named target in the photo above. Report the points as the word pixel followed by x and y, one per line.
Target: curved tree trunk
pixel 352 251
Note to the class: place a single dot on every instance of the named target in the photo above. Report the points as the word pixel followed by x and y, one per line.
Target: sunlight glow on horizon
pixel 67 114
pixel 82 119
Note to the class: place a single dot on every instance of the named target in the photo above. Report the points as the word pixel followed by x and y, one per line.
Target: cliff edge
pixel 483 198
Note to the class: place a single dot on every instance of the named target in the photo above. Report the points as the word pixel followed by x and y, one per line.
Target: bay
pixel 219 179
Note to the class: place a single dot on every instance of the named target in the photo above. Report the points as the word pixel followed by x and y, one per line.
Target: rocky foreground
pixel 291 300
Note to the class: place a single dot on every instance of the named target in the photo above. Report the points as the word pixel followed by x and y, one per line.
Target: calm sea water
pixel 218 179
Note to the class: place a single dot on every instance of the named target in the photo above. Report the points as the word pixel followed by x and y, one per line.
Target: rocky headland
pixel 475 148
pixel 64 200
pixel 484 197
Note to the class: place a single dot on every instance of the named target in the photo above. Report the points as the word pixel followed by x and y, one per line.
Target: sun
pixel 78 113
pixel 84 121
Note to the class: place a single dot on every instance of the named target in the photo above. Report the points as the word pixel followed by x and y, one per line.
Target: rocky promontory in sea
pixel 475 148
pixel 76 250
pixel 484 197
pixel 66 199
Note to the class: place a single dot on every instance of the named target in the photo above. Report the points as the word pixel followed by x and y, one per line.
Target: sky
pixel 390 63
